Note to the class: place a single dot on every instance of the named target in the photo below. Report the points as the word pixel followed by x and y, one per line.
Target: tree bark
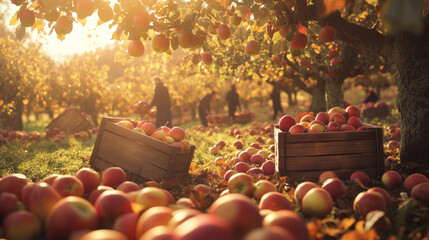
pixel 318 102
pixel 193 108
pixel 334 93
pixel 411 55
pixel 14 121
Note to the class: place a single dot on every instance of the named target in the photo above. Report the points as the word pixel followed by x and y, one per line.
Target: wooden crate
pixel 70 121
pixel 142 157
pixel 306 156
pixel 379 112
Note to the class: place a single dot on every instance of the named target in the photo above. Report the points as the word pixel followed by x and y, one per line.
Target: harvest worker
pixel 161 99
pixel 204 107
pixel 275 97
pixel 371 96
pixel 233 102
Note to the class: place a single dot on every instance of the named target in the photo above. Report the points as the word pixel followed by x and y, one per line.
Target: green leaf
pixel 14 20
pixel 277 37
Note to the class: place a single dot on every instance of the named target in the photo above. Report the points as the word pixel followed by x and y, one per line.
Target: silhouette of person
pixel 204 107
pixel 277 106
pixel 371 96
pixel 233 101
pixel 161 99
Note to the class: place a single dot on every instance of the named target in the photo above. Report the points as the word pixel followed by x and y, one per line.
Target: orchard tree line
pixel 301 33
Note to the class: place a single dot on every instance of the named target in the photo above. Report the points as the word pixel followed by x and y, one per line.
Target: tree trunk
pixel 318 102
pixel 193 108
pixel 334 93
pixel 14 121
pixel 411 55
pixel 289 97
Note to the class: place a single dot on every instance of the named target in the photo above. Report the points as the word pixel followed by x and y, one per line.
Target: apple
pixel 128 186
pixel 362 176
pixel 159 232
pixel 268 167
pixel 13 183
pixel 334 127
pixel 113 176
pixel 421 192
pixel 202 189
pixel 97 192
pixel 338 117
pixel 271 157
pixel 302 189
pixel 204 226
pixel 228 174
pixel 223 31
pixel 186 144
pixel 41 200
pixel 238 144
pixel 160 43
pixel 104 234
pixel 186 202
pixel 263 153
pixel 152 217
pixel 27 18
pixel 316 128
pixel 135 49
pixel 181 215
pixel 256 146
pixel 8 203
pixel 337 110
pixel 152 196
pixel 253 47
pixel 177 133
pixel 286 122
pixel 21 225
pixel 317 202
pixel 262 187
pixel 166 131
pixel 327 175
pixel 220 161
pixel 68 185
pixel 126 124
pixel 275 201
pixel 257 159
pixel 244 156
pixel 385 194
pixel 105 13
pixel 256 172
pixel 413 180
pixel 68 215
pixel 299 41
pixel 335 187
pixel 393 145
pixel 220 144
pixel 327 34
pixel 178 145
pixel 207 58
pixel 252 150
pixel 214 150
pixel 289 220
pixel 159 135
pixel 347 127
pixel 238 211
pixel 148 128
pixel 352 111
pixel 89 178
pixel 241 183
pixel 296 129
pixel 241 167
pixel 84 8
pixel 141 20
pixel 110 205
pixel 126 224
pixel 332 53
pixel 391 180
pixel 269 233
pixel 366 202
pixel 308 118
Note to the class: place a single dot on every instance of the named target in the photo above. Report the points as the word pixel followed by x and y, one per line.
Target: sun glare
pixel 82 39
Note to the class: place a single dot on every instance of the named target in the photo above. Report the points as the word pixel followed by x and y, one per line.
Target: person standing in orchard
pixel 204 107
pixel 277 105
pixel 233 102
pixel 161 99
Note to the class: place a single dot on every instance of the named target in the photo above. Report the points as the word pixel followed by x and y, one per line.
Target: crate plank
pixel 342 174
pixel 70 121
pixel 333 162
pixel 330 148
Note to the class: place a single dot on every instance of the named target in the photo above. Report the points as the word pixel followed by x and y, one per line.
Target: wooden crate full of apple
pixel 70 121
pixel 142 157
pixel 342 150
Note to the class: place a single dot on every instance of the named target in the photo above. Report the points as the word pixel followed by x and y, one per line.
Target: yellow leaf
pixel 14 20
pixel 61 37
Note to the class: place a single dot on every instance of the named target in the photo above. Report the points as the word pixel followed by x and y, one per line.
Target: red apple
pixel 229 174
pixel 223 31
pixel 302 189
pixel 69 215
pixel 413 180
pixel 366 202
pixel 241 167
pixel 181 215
pixel 110 205
pixel 214 150
pixel 204 226
pixel 220 144
pixel 159 233
pixel 89 178
pixel 238 211
pixel 152 196
pixel 97 192
pixel 51 178
pixel 238 144
pixel 384 193
pixel 391 180
pixel 13 183
pixel 8 203
pixel 148 128
pixel 126 224
pixel 334 127
pixel 352 111
pixel 166 130
pixel 316 128
pixel 42 198
pixel 22 225
pixel 27 18
pixel 244 156
pixel 393 145
pixel 289 220
pixel 257 159
pixel 362 176
pixel 104 234
pixel 255 171
pixel 186 202
pixel 421 192
pixel 323 116
pixel 286 122
pixel 269 233
pixel 177 133
pixel 268 167
pixel 337 110
pixel 296 129
pixel 317 202
pixel 262 187
pixel 113 176
pixel 308 118
pixel 335 187
pixel 155 216
pixel 275 201
pixel 355 122
pixel 128 186
pixel 263 153
pixel 338 117
pixel 241 183
pixel 327 175
pixel 327 34
pixel 203 189
pixel 347 127
pixel 186 144
pixel 68 185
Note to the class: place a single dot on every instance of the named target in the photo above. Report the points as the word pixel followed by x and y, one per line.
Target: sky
pixel 82 39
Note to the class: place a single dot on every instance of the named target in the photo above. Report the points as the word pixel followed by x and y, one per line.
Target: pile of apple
pixel 217 119
pixel 336 119
pixel 174 136
pixel 8 135
pixel 372 110
pixel 141 107
pixel 393 131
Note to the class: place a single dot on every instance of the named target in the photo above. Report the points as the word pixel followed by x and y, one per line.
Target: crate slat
pixel 333 162
pixel 342 174
pixel 330 148
pixel 70 121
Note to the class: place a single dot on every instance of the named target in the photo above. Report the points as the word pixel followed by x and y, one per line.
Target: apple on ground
pixel 103 234
pixel 8 203
pixel 269 233
pixel 97 192
pixel 51 178
pixel 126 224
pixel 335 187
pixel 128 186
pixel 255 171
pixel 152 217
pixel 68 185
pixel 421 192
pixel 275 201
pixel 262 187
pixel 302 189
pixel 13 183
pixel 22 224
pixel 241 183
pixel 317 202
pixel 268 167
pixel 362 176
pixel 214 150
pixel 159 232
pixel 289 220
pixel 204 226
pixel 187 202
pixel 181 215
pixel 42 199
pixel 413 180
pixel 244 156
pixel 385 194
pixel 152 196
pixel 110 205
pixel 257 159
pixel 366 202
pixel 391 179
pixel 327 175
pixel 113 176
pixel 89 178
